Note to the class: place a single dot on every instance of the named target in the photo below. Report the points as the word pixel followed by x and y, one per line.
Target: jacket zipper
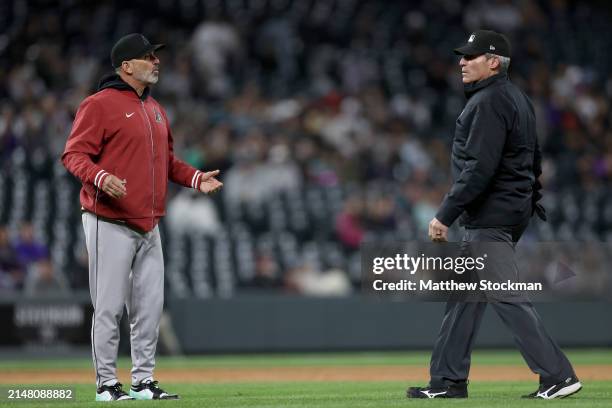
pixel 152 160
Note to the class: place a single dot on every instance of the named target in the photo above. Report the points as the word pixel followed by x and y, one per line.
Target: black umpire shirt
pixel 496 160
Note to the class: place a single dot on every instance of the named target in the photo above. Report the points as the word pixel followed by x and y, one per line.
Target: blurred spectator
pixel 424 203
pixel 502 15
pixel 192 213
pixel 11 272
pixel 27 249
pixel 277 45
pixel 8 138
pixel 347 131
pixel 78 274
pixel 380 212
pixel 267 273
pixel 255 177
pixel 217 147
pixel 43 279
pixel 349 226
pixel 214 44
pixel 306 280
pixel 177 82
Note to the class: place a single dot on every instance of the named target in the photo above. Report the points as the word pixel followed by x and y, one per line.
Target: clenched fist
pixel 438 232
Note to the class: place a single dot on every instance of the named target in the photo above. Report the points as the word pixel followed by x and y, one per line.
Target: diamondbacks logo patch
pixel 158 116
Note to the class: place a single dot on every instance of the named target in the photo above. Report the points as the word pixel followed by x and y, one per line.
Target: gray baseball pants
pixel 450 360
pixel 125 268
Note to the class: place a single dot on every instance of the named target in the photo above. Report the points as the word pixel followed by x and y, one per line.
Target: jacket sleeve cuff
pixel 196 180
pixel 447 214
pixel 99 178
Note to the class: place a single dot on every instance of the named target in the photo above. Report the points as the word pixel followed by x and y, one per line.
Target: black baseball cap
pixel 485 41
pixel 132 46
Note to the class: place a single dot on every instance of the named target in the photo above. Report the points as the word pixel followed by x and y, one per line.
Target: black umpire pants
pixel 450 360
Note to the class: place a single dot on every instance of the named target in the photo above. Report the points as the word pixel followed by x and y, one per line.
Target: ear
pixel 494 63
pixel 127 67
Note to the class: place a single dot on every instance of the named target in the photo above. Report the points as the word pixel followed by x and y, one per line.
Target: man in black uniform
pixel 495 167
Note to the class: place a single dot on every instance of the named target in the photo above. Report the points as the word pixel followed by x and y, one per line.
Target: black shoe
pixel 112 393
pixel 149 390
pixel 561 390
pixel 450 391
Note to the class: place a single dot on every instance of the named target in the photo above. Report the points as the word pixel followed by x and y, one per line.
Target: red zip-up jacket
pixel 117 132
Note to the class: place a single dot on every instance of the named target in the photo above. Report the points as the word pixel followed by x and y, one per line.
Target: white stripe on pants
pixel 125 268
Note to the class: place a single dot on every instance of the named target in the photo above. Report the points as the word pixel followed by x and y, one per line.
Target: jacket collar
pixel 473 87
pixel 113 80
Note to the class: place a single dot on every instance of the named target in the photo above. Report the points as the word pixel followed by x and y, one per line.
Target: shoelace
pixel 153 385
pixel 118 387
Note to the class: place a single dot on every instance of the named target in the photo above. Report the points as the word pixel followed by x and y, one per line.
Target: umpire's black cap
pixel 132 46
pixel 485 41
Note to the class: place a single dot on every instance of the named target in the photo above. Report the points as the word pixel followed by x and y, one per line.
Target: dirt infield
pixel 292 374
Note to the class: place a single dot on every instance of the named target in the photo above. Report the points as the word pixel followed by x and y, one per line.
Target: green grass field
pixel 341 395
pixel 326 394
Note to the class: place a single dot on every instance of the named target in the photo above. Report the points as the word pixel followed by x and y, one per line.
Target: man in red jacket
pixel 120 147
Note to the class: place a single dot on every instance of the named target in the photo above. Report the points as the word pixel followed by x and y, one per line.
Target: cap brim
pixel 152 47
pixel 155 47
pixel 149 48
pixel 467 50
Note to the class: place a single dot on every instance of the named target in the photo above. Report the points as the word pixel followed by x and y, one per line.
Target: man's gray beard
pixel 149 79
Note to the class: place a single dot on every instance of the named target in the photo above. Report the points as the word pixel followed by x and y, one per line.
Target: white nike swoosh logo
pixel 129 115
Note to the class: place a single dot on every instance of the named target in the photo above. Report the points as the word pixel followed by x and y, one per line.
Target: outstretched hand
pixel 209 183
